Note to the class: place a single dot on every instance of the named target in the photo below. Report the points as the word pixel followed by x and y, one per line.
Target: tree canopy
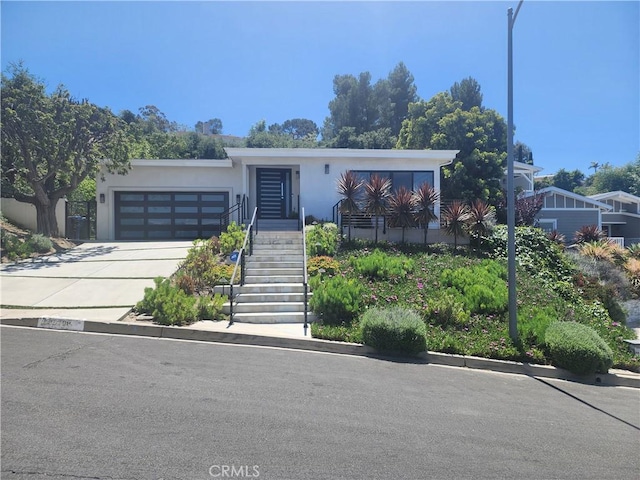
pixel 363 115
pixel 610 179
pixel 52 142
pixel 295 133
pixel 480 134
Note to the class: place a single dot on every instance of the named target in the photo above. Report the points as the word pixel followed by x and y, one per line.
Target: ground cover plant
pixel 460 295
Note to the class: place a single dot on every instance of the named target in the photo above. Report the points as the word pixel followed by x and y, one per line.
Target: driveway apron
pixel 94 281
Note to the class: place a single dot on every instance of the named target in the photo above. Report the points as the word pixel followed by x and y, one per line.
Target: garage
pixel 168 215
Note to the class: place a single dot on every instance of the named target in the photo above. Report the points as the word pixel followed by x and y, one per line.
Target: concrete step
pixel 272 297
pixel 260 241
pixel 252 271
pixel 283 317
pixel 276 257
pixel 255 264
pixel 276 249
pixel 261 288
pixel 251 279
pixel 264 307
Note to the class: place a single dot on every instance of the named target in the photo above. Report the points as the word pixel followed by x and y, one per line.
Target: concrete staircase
pixel 273 291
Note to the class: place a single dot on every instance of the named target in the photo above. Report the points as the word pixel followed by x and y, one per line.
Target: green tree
pixel 52 142
pixel 468 93
pixel 479 134
pixel 610 179
pixel 523 153
pixel 210 127
pixel 568 180
pixel 361 108
pixel 402 92
pixel 275 136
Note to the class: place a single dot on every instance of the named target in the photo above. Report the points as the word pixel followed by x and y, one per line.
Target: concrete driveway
pixel 93 281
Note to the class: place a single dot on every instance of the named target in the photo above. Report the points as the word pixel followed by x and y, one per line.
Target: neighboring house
pixel 566 212
pixel 623 220
pixel 616 213
pixel 183 199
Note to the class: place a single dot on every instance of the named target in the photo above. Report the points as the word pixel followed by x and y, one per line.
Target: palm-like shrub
pixel 588 233
pixel 349 187
pixel 455 217
pixel 424 199
pixel 401 210
pixel 482 218
pixel 377 192
pixel 556 237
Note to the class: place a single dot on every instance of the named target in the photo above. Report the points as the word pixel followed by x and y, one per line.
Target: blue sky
pixel 576 64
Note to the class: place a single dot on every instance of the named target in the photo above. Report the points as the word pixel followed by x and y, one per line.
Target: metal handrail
pixel 240 261
pixel 238 207
pixel 304 273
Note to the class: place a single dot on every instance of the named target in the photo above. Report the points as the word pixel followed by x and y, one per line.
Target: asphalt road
pixel 82 406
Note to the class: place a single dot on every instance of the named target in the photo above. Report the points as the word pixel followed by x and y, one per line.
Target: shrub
pixel 15 248
pixel 632 267
pixel 634 251
pixel 336 300
pixel 40 243
pixel 482 287
pixel 588 233
pixel 322 239
pixel 578 348
pixel 533 322
pixel 201 269
pixel 168 305
pixel 322 265
pixel 210 306
pixel 379 265
pixel 394 329
pixel 232 239
pixel 446 309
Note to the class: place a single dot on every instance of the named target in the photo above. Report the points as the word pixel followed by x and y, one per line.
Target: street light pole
pixel 511 208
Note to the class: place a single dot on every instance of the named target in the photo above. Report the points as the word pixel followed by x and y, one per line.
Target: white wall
pixel 24 214
pixel 318 191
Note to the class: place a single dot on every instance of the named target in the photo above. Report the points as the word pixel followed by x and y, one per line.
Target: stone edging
pixel 318 345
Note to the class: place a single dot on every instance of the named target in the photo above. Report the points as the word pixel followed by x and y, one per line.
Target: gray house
pixel 623 220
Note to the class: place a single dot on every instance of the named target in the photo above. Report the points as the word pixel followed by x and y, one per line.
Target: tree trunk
pixel 376 229
pixel 47 223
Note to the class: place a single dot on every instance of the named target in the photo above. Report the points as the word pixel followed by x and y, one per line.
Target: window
pixel 408 179
pixel 548 224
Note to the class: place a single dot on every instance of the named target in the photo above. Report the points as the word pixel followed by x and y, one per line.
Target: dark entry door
pixel 273 192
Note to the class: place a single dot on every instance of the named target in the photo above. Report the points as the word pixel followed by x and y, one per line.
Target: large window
pixel 408 179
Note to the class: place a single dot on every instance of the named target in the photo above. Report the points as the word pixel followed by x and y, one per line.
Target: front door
pixel 274 187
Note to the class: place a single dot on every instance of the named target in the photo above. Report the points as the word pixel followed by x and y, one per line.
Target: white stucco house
pixel 182 199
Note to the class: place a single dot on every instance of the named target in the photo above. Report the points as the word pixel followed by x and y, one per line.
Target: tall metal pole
pixel 511 208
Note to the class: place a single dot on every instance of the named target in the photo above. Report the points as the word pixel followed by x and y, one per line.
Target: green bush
pixel 382 266
pixel 201 269
pixel 482 287
pixel 322 239
pixel 15 248
pixel 232 239
pixel 210 306
pixel 322 265
pixel 533 322
pixel 168 305
pixel 394 329
pixel 336 300
pixel 578 348
pixel 40 243
pixel 446 310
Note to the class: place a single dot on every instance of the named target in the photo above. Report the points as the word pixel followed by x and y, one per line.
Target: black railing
pixel 305 282
pixel 240 260
pixel 240 211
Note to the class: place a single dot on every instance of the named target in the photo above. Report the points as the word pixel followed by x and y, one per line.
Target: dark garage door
pixel 168 215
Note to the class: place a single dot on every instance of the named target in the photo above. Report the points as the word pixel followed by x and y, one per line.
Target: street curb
pixel 318 345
